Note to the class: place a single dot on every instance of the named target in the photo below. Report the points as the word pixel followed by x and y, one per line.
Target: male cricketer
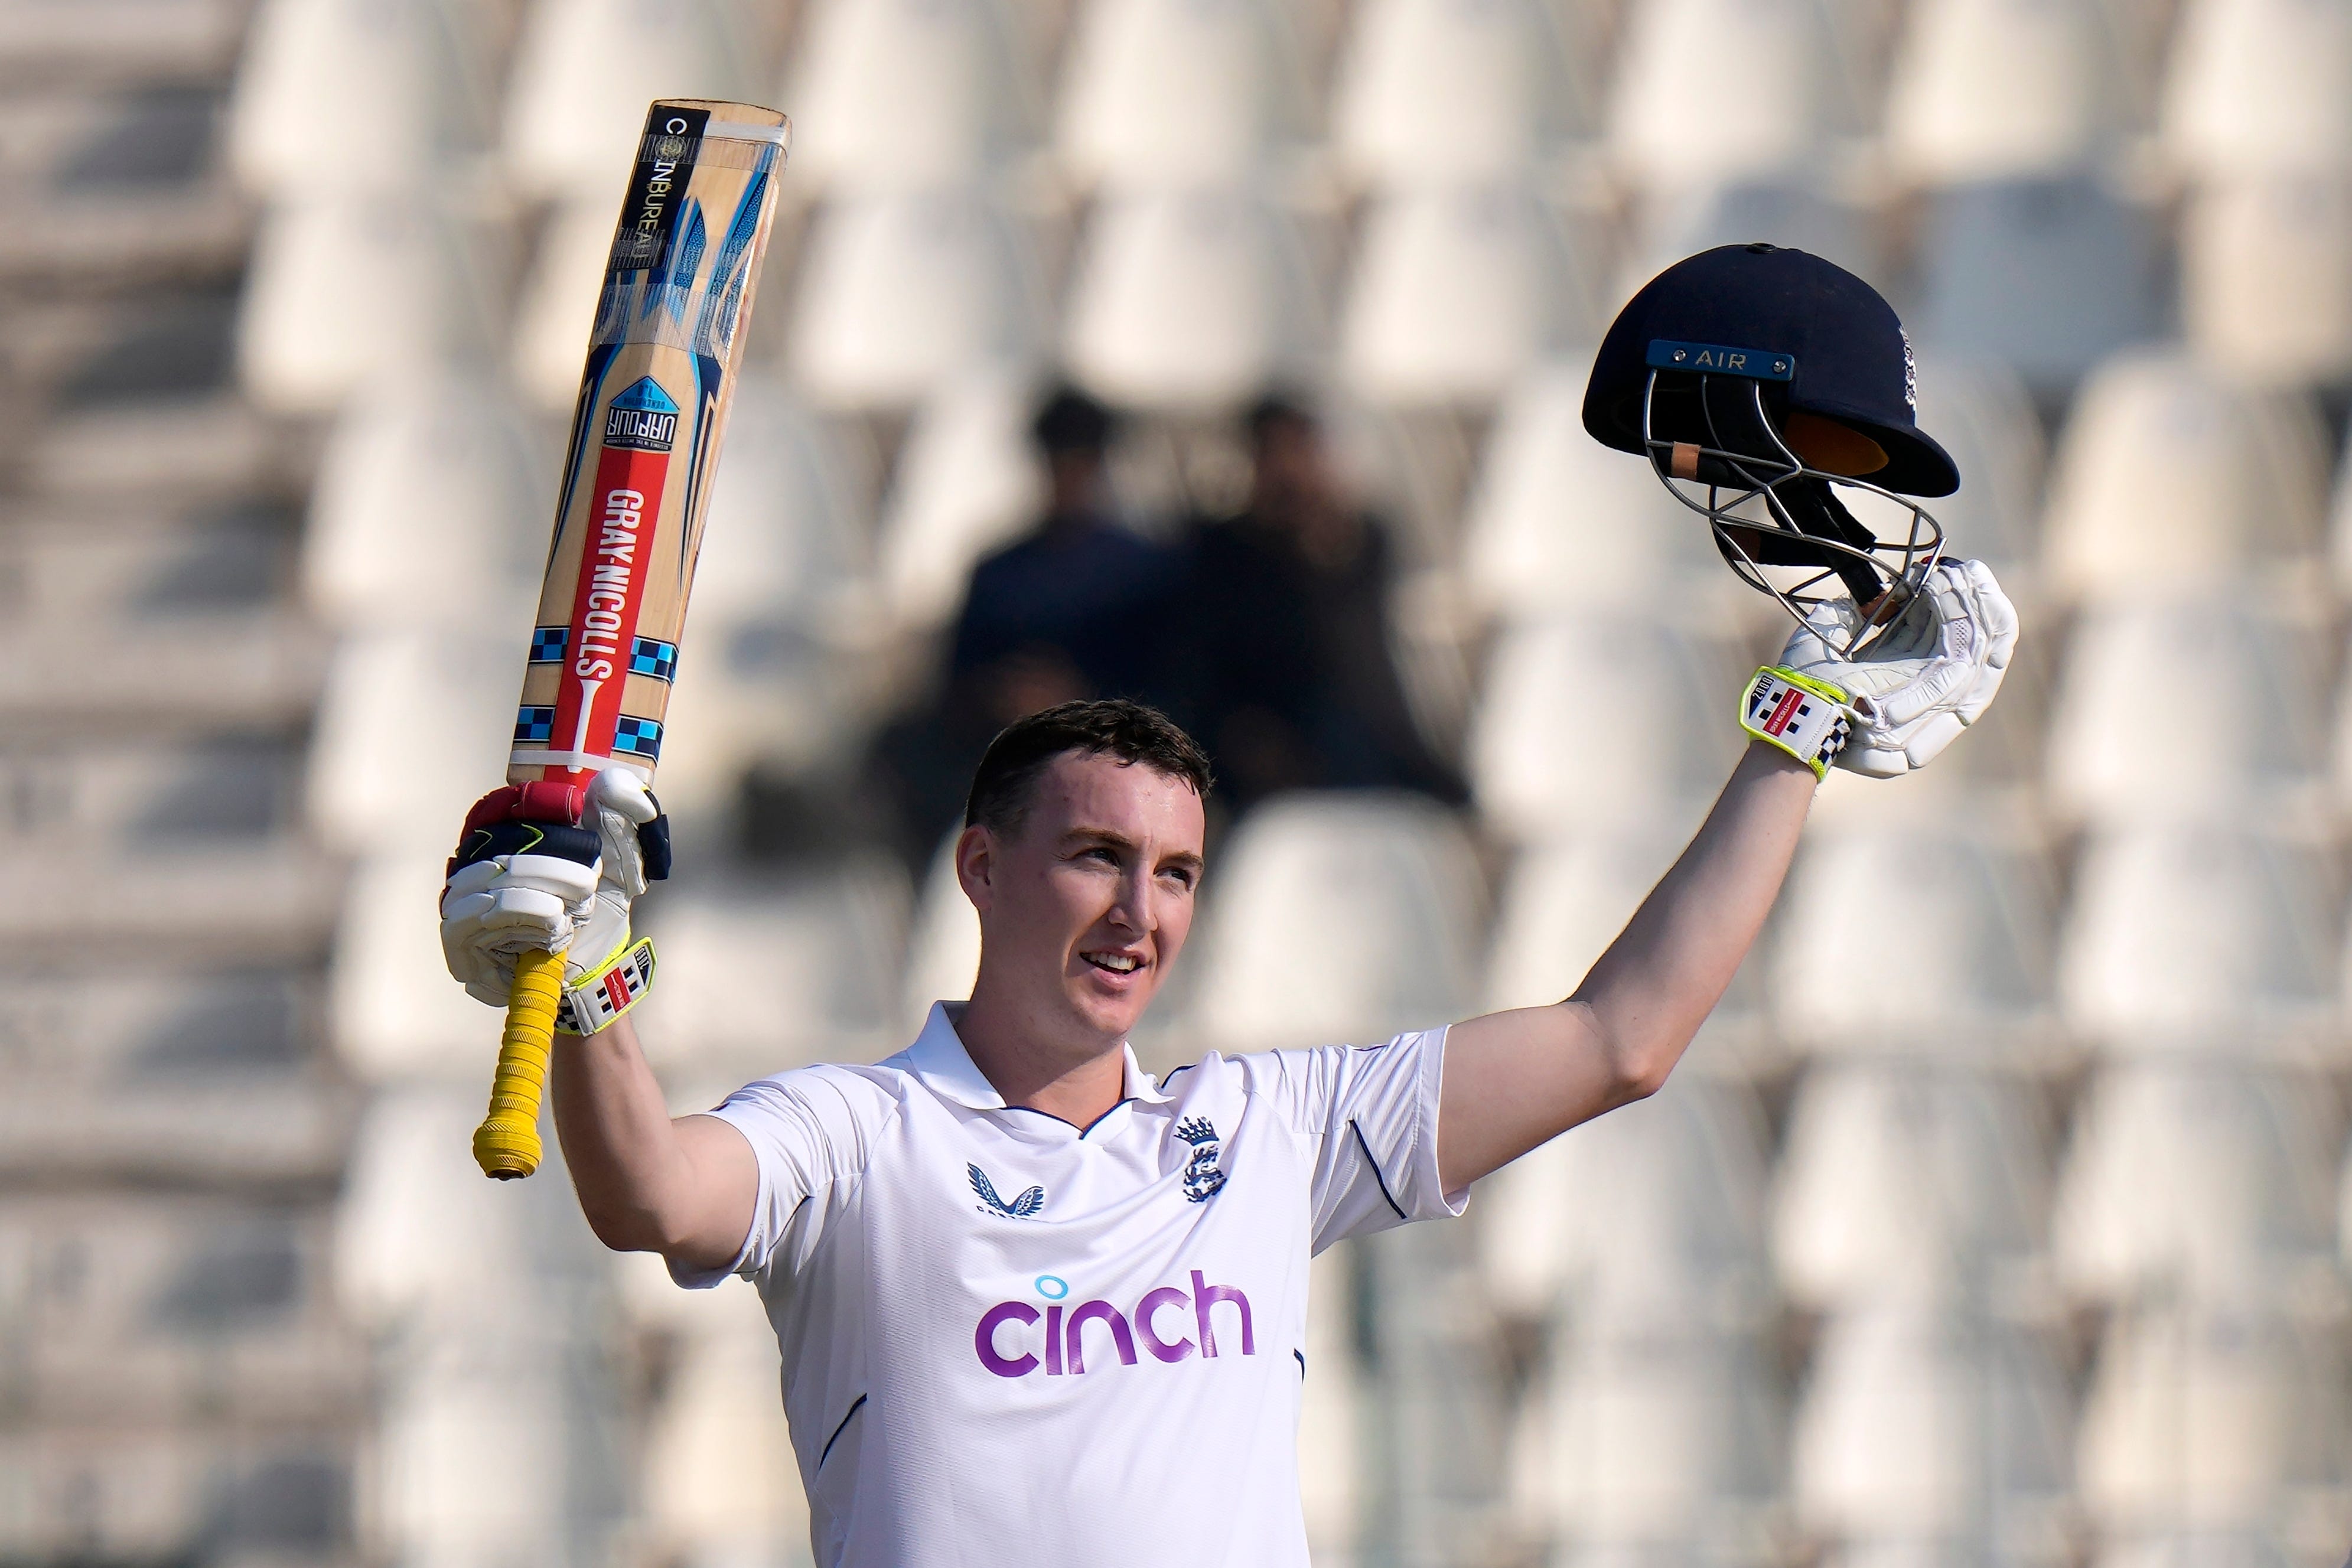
pixel 1030 1300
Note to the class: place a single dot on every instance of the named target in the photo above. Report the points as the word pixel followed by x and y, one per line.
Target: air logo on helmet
pixel 1714 359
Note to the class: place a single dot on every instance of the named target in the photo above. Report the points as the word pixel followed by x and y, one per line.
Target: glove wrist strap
pixel 613 986
pixel 1803 716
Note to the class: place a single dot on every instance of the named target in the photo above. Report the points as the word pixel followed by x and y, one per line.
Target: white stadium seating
pixel 1979 411
pixel 1918 1423
pixel 2256 675
pixel 347 287
pixel 1658 715
pixel 902 291
pixel 1979 913
pixel 394 1014
pixel 433 504
pixel 1434 92
pixel 1994 88
pixel 943 943
pixel 414 724
pixel 1165 93
pixel 1647 1221
pixel 2199 1419
pixel 337 94
pixel 967 480
pixel 1904 1181
pixel 1559 523
pixel 2266 275
pixel 899 94
pixel 2260 86
pixel 556 308
pixel 2169 477
pixel 719 1479
pixel 583 72
pixel 1457 292
pixel 1645 1438
pixel 2214 937
pixel 1707 89
pixel 1293 952
pixel 1795 209
pixel 1190 299
pixel 2200 1180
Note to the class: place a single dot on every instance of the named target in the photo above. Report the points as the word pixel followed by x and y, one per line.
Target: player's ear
pixel 975 864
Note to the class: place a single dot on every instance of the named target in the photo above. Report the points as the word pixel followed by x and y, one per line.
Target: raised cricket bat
pixel 644 449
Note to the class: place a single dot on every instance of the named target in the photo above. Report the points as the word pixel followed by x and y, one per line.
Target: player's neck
pixel 1028 1061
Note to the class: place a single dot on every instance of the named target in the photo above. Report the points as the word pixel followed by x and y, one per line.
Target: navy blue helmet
pixel 1759 382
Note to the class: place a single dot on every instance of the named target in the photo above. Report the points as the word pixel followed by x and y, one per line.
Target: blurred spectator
pixel 1287 674
pixel 1077 607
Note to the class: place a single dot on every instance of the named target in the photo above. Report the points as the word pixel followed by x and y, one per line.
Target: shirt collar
pixel 943 1064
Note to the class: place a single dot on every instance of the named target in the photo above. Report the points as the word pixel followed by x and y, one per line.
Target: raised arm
pixel 1515 1079
pixel 648 1182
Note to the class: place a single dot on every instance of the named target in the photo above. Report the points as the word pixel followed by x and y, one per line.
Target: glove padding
pixel 516 885
pixel 1929 677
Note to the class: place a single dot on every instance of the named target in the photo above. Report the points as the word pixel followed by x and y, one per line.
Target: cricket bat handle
pixel 506 1145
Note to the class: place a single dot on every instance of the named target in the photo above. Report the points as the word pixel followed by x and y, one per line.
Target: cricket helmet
pixel 1766 387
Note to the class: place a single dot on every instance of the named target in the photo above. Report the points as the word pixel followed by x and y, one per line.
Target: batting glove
pixel 1929 677
pixel 555 868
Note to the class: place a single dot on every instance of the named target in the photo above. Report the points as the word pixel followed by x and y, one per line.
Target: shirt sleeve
pixel 1372 1111
pixel 809 1133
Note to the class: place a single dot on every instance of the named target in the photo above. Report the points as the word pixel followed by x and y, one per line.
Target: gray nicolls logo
pixel 1024 1206
pixel 1202 1176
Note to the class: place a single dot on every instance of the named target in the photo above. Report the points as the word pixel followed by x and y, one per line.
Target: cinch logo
pixel 1007 1354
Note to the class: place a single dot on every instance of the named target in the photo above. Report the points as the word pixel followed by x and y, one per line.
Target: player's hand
pixel 1931 675
pixel 538 880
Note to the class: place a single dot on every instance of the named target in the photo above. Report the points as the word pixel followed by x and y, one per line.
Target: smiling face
pixel 1085 905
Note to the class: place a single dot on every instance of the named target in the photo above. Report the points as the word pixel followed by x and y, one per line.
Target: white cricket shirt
pixel 1010 1343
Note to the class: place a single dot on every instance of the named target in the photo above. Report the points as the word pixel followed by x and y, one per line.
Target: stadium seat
pixel 371 783
pixel 432 504
pixel 2211 934
pixel 394 1012
pixel 2259 86
pixel 348 287
pixel 1671 120
pixel 1190 299
pixel 1979 913
pixel 1671 741
pixel 2206 1418
pixel 2257 670
pixel 2169 477
pixel 1922 1425
pixel 2204 1179
pixel 583 72
pixel 966 482
pixel 556 304
pixel 1167 93
pixel 1907 1182
pixel 2047 276
pixel 1981 412
pixel 786 535
pixel 943 945
pixel 1649 1220
pixel 2251 1546
pixel 1558 523
pixel 821 950
pixel 1566 899
pixel 1650 1438
pixel 2266 275
pixel 1791 210
pixel 1456 293
pixel 345 94
pixel 900 292
pixel 1330 1416
pixel 906 94
pixel 1433 93
pixel 422 1241
pixel 1384 891
pixel 1993 89
pixel 719 1479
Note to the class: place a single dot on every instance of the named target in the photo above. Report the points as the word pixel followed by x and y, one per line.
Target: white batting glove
pixel 516 885
pixel 1931 675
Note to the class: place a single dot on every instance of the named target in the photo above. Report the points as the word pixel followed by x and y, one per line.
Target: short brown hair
pixel 1130 732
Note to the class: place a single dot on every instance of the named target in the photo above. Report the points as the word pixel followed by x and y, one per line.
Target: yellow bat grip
pixel 506 1145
